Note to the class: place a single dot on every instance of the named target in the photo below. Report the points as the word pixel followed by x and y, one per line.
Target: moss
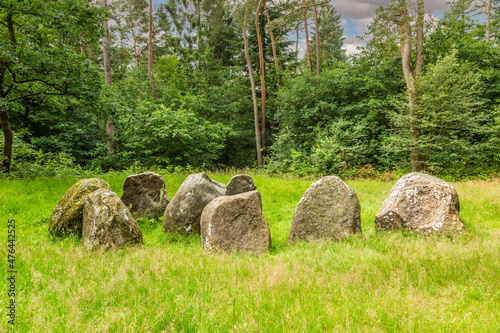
pixel 67 217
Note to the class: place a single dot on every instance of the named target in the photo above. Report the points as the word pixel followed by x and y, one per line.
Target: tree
pixel 262 74
pixel 106 58
pixel 39 55
pixel 252 82
pixel 412 73
pixel 150 49
pixel 131 24
pixel 329 41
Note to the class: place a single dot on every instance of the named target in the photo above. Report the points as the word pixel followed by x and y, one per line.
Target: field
pixel 375 282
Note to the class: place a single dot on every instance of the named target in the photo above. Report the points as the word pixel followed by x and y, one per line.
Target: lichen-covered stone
pixel 145 195
pixel 67 217
pixel 421 203
pixel 329 210
pixel 240 184
pixel 184 211
pixel 107 222
pixel 235 223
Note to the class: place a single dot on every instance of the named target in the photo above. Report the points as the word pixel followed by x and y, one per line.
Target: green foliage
pixel 337 123
pixel 168 136
pixel 449 117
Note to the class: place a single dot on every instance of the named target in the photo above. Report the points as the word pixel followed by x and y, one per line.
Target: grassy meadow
pixel 375 282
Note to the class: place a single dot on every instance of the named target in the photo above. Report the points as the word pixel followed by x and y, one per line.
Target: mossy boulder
pixel 67 217
pixel 184 211
pixel 329 210
pixel 235 223
pixel 107 222
pixel 240 184
pixel 145 195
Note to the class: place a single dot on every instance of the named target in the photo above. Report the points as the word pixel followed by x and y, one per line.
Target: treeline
pixel 217 83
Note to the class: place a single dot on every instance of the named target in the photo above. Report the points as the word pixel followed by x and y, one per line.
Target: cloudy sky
pixel 358 14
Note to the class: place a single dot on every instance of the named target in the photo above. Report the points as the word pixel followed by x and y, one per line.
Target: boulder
pixel 421 203
pixel 145 195
pixel 67 217
pixel 107 222
pixel 235 223
pixel 184 211
pixel 329 210
pixel 240 184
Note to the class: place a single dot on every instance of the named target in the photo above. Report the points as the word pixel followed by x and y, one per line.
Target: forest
pixel 215 84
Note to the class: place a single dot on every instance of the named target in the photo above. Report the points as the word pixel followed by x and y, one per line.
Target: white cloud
pixel 351 48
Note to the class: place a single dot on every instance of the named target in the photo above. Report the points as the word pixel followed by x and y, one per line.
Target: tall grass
pixel 373 282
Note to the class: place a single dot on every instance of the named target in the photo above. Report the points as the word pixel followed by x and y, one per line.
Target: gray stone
pixel 184 211
pixel 421 203
pixel 329 210
pixel 235 223
pixel 240 184
pixel 67 217
pixel 107 222
pixel 145 195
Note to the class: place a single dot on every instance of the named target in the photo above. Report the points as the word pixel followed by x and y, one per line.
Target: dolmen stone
pixel 240 184
pixel 183 213
pixel 423 204
pixel 329 210
pixel 67 217
pixel 235 223
pixel 107 222
pixel 145 195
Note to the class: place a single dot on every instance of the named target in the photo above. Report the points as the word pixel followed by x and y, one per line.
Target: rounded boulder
pixel 423 204
pixel 235 223
pixel 145 195
pixel 183 213
pixel 329 210
pixel 107 222
pixel 67 217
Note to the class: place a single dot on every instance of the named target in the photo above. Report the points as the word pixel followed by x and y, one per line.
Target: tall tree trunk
pixel 419 64
pixel 254 93
pixel 410 77
pixel 107 77
pixel 297 45
pixel 150 45
pixel 488 21
pixel 316 24
pixel 308 47
pixel 262 75
pixel 4 116
pixel 273 44
pixel 7 143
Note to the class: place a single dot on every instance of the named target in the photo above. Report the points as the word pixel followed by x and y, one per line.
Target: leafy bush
pixel 154 134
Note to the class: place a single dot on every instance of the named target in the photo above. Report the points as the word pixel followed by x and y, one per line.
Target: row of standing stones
pixel 230 218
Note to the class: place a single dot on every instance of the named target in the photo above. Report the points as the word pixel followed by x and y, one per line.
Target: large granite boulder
pixel 235 223
pixel 145 195
pixel 421 203
pixel 184 211
pixel 107 222
pixel 67 217
pixel 240 184
pixel 329 210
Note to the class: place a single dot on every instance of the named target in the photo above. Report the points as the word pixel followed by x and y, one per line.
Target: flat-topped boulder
pixel 421 203
pixel 107 222
pixel 329 210
pixel 67 217
pixel 145 195
pixel 235 223
pixel 240 184
pixel 183 213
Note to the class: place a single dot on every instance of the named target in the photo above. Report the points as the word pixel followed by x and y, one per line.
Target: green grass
pixel 374 282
